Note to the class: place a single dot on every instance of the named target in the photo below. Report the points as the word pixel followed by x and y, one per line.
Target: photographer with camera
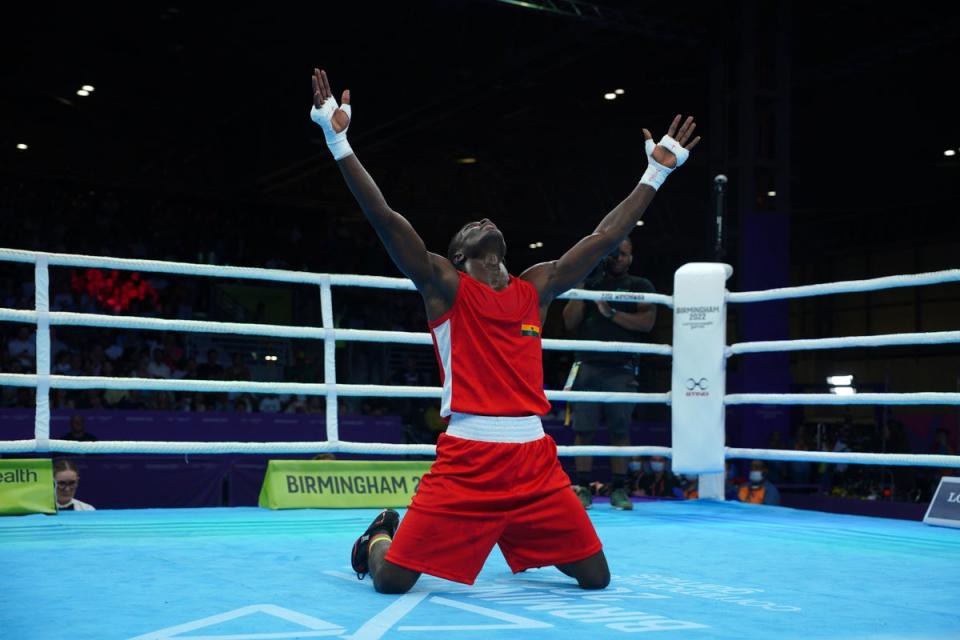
pixel 607 371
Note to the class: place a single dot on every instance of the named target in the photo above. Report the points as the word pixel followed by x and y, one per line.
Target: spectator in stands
pixel 758 490
pixel 269 404
pixel 941 443
pixel 659 482
pixel 942 446
pixel 158 367
pixel 800 471
pixel 297 404
pixel 775 471
pixel 61 364
pixel 23 347
pixel 78 430
pixel 303 369
pixel 731 481
pixel 143 366
pixel 172 351
pixel 690 487
pixel 8 394
pixel 67 480
pixel 189 371
pixel 237 369
pixel 316 404
pixel 61 399
pixel 211 368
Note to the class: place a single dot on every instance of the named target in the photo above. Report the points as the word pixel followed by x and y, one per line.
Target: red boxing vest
pixel 488 348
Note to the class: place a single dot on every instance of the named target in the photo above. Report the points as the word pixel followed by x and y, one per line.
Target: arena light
pixel 639 223
pixel 88 88
pixel 840 381
pixel 772 194
pixel 843 391
pixel 950 152
pixel 539 245
pixel 83 92
pixel 619 92
pixel 467 160
pixel 22 147
pixel 610 96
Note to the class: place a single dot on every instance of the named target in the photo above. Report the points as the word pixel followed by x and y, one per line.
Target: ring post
pixel 699 373
pixel 43 356
pixel 329 359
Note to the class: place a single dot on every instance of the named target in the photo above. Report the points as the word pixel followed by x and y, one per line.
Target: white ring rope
pixel 67 318
pixel 849 342
pixel 43 318
pixel 290 448
pixel 926 398
pixel 279 275
pixel 848 286
pixel 297 388
pixel 845 457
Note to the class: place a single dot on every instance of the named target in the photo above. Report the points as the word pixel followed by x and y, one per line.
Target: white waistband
pixel 495 428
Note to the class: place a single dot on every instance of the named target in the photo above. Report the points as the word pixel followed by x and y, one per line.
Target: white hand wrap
pixel 336 142
pixel 656 173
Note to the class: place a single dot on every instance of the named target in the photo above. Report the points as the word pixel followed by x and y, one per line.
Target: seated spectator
pixel 775 470
pixel 304 369
pixel 297 404
pixel 943 447
pixel 78 431
pixel 68 479
pixel 690 487
pixel 659 482
pixel 158 367
pixel 24 346
pixel 61 364
pixel 190 370
pixel 800 471
pixel 211 369
pixel 269 404
pixel 758 490
pixel 237 369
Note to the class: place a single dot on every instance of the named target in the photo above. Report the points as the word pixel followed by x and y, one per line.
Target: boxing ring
pixel 696 569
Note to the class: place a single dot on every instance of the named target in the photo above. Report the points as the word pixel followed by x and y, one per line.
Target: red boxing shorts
pixel 495 481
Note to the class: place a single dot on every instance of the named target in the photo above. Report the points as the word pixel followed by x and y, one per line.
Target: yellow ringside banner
pixel 340 484
pixel 26 486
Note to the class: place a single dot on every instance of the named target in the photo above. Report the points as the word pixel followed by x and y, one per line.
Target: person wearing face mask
pixel 634 471
pixel 67 479
pixel 659 482
pixel 691 488
pixel 758 490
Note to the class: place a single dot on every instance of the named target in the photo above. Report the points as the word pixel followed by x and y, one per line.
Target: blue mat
pixel 681 570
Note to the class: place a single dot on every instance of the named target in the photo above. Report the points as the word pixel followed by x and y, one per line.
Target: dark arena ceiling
pixel 212 102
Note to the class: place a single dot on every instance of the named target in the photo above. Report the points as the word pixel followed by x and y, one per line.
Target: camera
pixel 600 271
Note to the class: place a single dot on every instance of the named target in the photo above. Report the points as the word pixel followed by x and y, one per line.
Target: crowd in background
pixel 60 217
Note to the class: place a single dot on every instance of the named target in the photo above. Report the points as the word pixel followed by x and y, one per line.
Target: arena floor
pixel 681 569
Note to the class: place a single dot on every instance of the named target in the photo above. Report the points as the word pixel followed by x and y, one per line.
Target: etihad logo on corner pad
pixel 697 387
pixel 529 330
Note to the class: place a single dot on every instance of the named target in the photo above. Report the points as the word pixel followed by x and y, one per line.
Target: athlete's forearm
pixel 402 242
pixel 364 189
pixel 617 224
pixel 639 321
pixel 573 314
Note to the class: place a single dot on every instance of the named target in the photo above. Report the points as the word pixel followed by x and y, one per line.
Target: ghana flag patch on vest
pixel 529 330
